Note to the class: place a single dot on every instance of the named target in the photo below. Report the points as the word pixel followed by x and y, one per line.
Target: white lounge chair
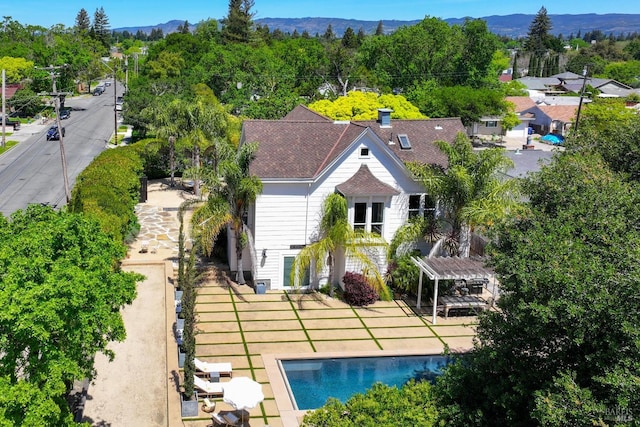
pixel 222 368
pixel 207 388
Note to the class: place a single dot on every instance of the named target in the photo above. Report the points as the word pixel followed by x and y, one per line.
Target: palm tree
pixel 195 126
pixel 471 190
pixel 231 191
pixel 336 236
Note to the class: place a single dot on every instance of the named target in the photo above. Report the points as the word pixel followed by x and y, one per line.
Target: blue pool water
pixel 313 381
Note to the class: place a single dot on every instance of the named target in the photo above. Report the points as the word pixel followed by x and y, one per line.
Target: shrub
pixel 357 290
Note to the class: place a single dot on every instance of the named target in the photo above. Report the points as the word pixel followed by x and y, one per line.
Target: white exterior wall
pixel 288 213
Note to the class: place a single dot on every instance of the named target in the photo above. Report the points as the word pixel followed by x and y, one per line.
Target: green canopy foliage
pixel 563 348
pixel 62 291
pixel 364 106
pixel 381 405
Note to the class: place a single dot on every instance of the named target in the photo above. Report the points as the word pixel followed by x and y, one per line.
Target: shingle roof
pixel 563 113
pixel 522 103
pixel 422 135
pixel 304 143
pixel 364 183
pixel 303 114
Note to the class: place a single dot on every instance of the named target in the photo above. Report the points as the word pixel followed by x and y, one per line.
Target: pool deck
pixel 249 330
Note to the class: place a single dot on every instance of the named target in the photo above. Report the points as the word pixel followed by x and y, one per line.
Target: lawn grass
pixel 7 146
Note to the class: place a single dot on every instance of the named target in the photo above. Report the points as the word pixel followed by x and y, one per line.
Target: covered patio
pixel 453 268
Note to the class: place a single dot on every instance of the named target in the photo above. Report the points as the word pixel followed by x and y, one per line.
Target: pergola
pixel 444 268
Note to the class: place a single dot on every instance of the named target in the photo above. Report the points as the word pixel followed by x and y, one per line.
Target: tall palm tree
pixel 231 192
pixel 472 190
pixel 337 237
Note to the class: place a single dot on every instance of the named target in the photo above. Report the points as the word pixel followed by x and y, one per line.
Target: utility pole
pixel 4 100
pixel 52 73
pixel 115 112
pixel 585 71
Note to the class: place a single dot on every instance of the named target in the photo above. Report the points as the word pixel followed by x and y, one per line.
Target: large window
pixel 369 216
pixel 286 279
pixel 414 205
pixel 422 205
pixel 360 216
pixel 377 218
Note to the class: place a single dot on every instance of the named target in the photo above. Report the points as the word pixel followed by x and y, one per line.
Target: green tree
pixel 457 101
pixel 563 345
pixel 358 105
pixel 336 236
pixel 16 69
pixel 537 38
pixel 100 27
pixel 472 191
pixel 63 289
pixel 610 129
pixel 349 39
pixel 231 191
pixel 237 25
pixel 83 23
pixel 381 405
pixel 379 29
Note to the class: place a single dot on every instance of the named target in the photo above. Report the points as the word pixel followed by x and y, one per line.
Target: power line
pixel 52 73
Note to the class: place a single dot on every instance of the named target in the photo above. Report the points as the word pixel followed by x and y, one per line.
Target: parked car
pixel 99 90
pixel 52 133
pixel 119 103
pixel 10 122
pixel 65 114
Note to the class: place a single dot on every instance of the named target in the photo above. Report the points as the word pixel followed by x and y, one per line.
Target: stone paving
pixel 249 330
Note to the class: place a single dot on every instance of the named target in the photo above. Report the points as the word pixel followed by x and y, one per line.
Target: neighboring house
pixel 571 83
pixel 487 126
pixel 553 119
pixel 305 156
pixel 525 110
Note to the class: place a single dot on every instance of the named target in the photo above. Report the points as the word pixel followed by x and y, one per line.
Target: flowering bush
pixel 357 290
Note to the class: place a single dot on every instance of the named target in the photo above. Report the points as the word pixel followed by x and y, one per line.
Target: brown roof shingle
pixel 364 183
pixel 304 143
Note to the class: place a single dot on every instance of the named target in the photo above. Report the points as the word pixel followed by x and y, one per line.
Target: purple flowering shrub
pixel 357 290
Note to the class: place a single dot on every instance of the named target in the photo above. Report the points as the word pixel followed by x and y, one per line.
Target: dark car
pixel 52 133
pixel 65 114
pixel 99 90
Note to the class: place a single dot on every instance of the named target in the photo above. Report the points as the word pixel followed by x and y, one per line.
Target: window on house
pixel 422 204
pixel 364 152
pixel 287 266
pixel 360 216
pixel 405 144
pixel 491 124
pixel 429 206
pixel 377 218
pixel 414 205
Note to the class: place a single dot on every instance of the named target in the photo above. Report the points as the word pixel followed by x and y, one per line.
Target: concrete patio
pixel 236 325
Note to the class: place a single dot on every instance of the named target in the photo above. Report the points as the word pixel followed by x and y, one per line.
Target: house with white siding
pixel 304 157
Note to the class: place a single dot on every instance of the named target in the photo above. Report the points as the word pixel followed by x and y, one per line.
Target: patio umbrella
pixel 242 393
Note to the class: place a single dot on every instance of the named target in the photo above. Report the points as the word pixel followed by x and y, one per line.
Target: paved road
pixel 31 172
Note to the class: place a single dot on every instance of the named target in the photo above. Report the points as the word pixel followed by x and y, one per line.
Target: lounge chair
pixel 223 368
pixel 208 406
pixel 207 388
pixel 227 419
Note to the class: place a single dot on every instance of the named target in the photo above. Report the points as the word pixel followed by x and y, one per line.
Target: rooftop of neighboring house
pixel 304 143
pixel 522 103
pixel 562 113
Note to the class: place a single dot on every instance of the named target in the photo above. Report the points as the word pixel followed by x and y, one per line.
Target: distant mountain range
pixel 509 25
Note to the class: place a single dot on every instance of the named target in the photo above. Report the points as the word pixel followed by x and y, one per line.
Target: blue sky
pixel 129 13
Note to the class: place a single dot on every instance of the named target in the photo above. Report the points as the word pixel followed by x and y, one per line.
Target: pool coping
pixel 289 415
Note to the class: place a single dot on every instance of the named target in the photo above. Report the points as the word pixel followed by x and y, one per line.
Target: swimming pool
pixel 312 381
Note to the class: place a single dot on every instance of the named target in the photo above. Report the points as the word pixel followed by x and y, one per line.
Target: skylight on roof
pixel 405 144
